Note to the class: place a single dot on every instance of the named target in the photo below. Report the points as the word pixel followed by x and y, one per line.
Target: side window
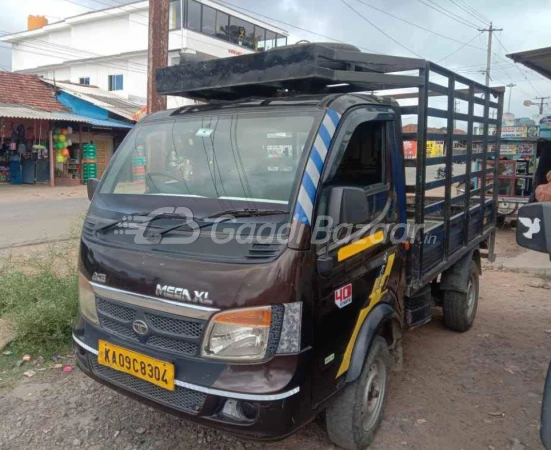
pixel 366 164
pixel 363 164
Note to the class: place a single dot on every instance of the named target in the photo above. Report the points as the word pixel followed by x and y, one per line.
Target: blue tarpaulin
pixel 92 114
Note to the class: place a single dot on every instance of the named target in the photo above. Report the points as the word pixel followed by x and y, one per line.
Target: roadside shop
pixel 56 136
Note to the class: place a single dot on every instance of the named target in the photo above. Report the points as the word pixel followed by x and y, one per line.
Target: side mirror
pixel 348 205
pixel 534 227
pixel 91 186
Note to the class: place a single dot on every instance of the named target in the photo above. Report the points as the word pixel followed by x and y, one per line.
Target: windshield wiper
pixel 247 212
pixel 116 222
pixel 230 212
pixel 158 216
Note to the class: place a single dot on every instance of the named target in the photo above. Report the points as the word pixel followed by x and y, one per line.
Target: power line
pixel 460 48
pixel 478 13
pixel 449 15
pixel 518 68
pixel 63 58
pixel 415 24
pixel 380 30
pixel 236 7
pixel 491 30
pixel 468 12
pixel 79 53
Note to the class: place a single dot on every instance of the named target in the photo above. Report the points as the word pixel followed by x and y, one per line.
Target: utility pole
pixel 455 109
pixel 541 99
pixel 510 86
pixel 157 51
pixel 490 31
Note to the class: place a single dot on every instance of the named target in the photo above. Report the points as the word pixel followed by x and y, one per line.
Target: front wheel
pixel 459 308
pixel 354 417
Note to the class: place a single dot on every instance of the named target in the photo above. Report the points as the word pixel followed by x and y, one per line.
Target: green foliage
pixel 39 296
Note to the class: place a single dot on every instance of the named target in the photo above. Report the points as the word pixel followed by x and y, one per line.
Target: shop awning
pixel 538 60
pixel 23 112
pixel 108 123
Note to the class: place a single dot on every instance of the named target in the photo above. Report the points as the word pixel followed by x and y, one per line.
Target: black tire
pixel 459 309
pixel 349 424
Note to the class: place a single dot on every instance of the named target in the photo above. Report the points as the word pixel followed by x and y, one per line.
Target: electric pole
pixel 541 99
pixel 490 31
pixel 157 52
pixel 510 86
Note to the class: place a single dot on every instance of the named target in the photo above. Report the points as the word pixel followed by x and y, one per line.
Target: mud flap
pixel 418 307
pixel 457 276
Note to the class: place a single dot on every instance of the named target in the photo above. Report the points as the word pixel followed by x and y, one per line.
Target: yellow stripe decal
pixel 375 297
pixel 360 245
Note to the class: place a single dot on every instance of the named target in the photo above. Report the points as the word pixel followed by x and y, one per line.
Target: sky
pixel 525 27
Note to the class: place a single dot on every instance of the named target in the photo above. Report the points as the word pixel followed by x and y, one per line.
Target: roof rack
pixel 315 68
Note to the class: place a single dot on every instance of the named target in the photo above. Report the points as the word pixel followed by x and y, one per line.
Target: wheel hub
pixel 374 391
pixel 471 298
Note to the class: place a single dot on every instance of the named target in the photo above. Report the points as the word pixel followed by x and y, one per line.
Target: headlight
pixel 87 299
pixel 240 334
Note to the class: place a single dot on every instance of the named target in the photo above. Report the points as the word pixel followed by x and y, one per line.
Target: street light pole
pixel 510 86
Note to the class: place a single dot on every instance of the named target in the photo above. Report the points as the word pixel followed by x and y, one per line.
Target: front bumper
pixel 272 415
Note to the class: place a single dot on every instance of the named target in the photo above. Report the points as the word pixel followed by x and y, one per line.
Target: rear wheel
pixel 459 308
pixel 354 417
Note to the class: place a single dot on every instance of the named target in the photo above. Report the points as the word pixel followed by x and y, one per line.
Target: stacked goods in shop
pixel 138 165
pixel 89 162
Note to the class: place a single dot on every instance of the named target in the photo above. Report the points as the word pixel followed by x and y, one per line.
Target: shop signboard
pixel 410 149
pixel 545 122
pixel 508 149
pixel 435 149
pixel 514 132
pixel 517 149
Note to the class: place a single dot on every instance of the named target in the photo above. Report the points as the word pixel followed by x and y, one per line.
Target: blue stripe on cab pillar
pixel 314 167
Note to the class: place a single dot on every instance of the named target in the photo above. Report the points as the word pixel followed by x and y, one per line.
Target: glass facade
pixel 210 21
pixel 175 15
pixel 193 20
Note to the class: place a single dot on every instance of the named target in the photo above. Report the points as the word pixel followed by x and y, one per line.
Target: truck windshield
pixel 244 156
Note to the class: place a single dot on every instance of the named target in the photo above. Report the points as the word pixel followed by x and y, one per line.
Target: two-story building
pixel 108 48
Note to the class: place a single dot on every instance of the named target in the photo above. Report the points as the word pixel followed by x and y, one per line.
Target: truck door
pixel 360 157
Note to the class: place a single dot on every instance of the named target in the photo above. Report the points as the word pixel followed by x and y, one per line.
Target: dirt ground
pixel 478 390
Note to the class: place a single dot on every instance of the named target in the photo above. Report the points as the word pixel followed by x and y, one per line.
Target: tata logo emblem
pixel 99 277
pixel 140 327
pixel 178 293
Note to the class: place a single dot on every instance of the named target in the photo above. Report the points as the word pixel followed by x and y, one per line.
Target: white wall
pixel 103 37
pixel 52 51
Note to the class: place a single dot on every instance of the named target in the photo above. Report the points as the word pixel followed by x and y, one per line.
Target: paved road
pixel 33 218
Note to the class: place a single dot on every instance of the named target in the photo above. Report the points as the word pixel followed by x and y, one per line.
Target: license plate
pixel 141 366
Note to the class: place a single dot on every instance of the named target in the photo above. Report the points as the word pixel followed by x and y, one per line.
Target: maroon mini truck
pixel 251 262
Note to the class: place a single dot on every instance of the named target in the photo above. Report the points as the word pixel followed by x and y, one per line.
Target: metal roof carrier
pixel 315 68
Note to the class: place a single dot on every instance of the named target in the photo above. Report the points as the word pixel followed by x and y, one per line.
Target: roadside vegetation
pixel 39 296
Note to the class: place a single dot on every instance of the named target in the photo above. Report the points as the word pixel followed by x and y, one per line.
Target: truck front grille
pixel 170 333
pixel 181 398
